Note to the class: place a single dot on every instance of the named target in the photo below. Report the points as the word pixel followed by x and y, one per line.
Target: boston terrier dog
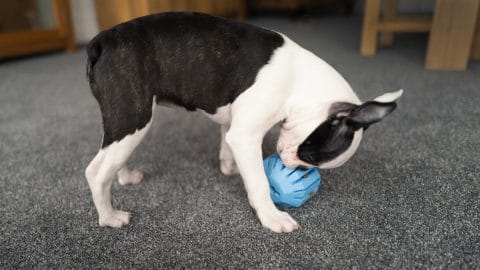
pixel 243 77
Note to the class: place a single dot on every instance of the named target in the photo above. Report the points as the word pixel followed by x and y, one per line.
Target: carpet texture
pixel 408 198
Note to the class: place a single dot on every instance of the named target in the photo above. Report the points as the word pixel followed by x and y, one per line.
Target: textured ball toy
pixel 290 187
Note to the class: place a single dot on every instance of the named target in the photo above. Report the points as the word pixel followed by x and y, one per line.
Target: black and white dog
pixel 243 77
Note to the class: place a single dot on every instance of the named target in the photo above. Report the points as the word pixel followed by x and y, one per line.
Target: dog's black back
pixel 189 59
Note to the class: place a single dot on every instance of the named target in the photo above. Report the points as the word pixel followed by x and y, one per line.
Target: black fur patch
pixel 335 135
pixel 192 60
pixel 329 139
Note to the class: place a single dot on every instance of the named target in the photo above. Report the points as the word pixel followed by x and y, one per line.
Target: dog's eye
pixel 335 122
pixel 308 142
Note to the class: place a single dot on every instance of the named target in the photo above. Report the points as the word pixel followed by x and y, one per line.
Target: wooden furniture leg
pixel 452 34
pixel 389 14
pixel 370 23
pixel 475 54
pixel 64 23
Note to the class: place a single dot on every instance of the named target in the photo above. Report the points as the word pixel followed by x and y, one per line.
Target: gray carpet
pixel 409 197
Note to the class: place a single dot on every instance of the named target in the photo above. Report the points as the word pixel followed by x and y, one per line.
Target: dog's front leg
pixel 247 151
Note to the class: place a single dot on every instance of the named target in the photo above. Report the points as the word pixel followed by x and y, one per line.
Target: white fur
pixel 389 97
pixel 126 176
pixel 100 172
pixel 100 175
pixel 254 112
pixel 227 160
pixel 315 86
pixel 222 116
pixel 298 88
pixel 295 87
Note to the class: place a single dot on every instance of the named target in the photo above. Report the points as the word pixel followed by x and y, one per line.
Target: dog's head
pixel 337 137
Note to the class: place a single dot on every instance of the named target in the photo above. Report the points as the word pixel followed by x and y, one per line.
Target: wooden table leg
pixel 370 23
pixel 63 21
pixel 452 33
pixel 475 54
pixel 389 14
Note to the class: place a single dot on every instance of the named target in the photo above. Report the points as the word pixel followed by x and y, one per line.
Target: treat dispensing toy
pixel 290 187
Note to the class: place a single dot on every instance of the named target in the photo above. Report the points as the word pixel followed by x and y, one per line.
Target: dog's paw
pixel 116 219
pixel 277 221
pixel 132 177
pixel 228 167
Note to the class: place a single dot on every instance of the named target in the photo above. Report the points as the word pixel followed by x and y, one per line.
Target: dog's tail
pixel 94 51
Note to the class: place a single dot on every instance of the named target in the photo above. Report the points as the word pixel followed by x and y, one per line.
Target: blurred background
pixel 408 199
pixel 453 29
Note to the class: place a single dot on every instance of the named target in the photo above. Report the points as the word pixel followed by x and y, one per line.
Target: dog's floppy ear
pixel 373 111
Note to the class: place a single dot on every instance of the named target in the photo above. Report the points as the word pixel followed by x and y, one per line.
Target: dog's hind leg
pixel 126 120
pixel 120 80
pixel 100 174
pixel 127 176
pixel 227 161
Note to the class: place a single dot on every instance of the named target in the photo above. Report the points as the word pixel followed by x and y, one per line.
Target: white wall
pixel 45 14
pixel 84 20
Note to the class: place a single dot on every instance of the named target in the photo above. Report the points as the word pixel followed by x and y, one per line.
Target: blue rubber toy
pixel 290 187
